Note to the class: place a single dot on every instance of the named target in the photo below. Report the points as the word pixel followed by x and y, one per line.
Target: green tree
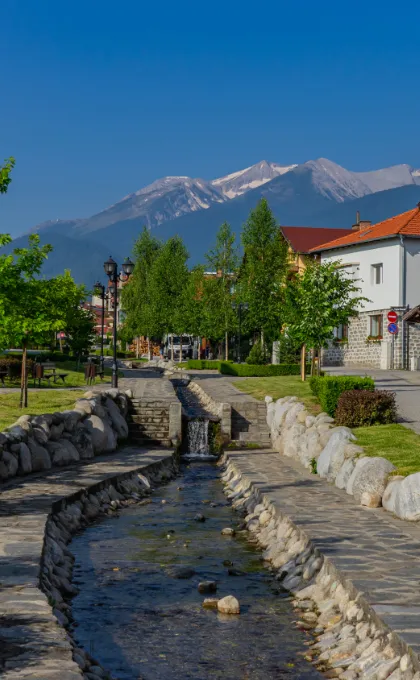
pixel 31 308
pixel 169 278
pixel 79 327
pixel 220 291
pixel 136 294
pixel 263 273
pixel 318 300
pixel 5 171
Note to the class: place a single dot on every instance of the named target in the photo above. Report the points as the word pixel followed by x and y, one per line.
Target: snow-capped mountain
pixel 316 193
pixel 242 181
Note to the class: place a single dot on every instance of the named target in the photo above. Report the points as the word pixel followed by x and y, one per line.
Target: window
pixel 377 274
pixel 342 332
pixel 376 326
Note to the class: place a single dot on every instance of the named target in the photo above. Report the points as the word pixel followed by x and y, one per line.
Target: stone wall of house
pixel 357 351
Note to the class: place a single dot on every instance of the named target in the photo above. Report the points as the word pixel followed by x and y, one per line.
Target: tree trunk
pixel 137 347
pixel 23 402
pixel 226 346
pixel 313 362
pixel 149 348
pixel 319 362
pixel 172 347
pixel 303 363
pixel 180 348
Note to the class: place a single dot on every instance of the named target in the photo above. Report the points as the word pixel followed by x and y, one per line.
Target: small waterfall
pixel 198 437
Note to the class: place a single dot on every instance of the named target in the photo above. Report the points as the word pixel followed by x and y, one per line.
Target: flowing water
pixel 140 621
pixel 198 437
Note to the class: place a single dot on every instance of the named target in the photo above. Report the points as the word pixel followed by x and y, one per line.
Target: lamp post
pixel 111 270
pixel 100 291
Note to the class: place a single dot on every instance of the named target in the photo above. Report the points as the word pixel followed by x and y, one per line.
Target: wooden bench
pixel 40 373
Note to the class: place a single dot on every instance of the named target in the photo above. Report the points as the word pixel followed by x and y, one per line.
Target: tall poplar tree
pixel 219 291
pixel 263 273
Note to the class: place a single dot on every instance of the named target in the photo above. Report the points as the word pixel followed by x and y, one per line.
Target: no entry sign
pixel 392 317
pixel 392 328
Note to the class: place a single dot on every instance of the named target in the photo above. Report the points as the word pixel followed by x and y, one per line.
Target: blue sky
pixel 100 98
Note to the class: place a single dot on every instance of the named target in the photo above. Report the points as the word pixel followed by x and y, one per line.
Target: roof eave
pixel 322 249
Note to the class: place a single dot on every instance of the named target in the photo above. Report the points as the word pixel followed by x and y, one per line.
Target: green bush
pixel 329 388
pixel 257 355
pixel 13 366
pixel 360 408
pixel 256 371
pixel 203 365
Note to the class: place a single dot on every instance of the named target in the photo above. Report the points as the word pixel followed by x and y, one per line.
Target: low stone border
pixel 350 641
pixel 220 409
pixel 35 602
pixel 315 441
pixel 96 425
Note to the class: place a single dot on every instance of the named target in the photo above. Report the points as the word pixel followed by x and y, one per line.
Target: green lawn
pixel 398 444
pixel 75 377
pixel 39 402
pixel 278 387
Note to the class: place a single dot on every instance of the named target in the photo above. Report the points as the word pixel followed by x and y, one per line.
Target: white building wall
pixel 412 260
pixel 362 257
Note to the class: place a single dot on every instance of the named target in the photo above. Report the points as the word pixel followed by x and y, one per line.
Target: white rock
pixel 403 497
pixel 344 473
pixel 25 462
pixel 391 492
pixel 370 475
pixel 228 605
pixel 63 452
pixel 119 423
pixel 332 456
pixel 102 435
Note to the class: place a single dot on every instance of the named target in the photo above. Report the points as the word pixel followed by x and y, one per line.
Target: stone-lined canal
pixel 140 621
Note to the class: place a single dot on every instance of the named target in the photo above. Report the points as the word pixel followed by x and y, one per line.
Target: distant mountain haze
pixel 316 193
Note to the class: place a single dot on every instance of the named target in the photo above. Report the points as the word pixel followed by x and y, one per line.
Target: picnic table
pixel 48 371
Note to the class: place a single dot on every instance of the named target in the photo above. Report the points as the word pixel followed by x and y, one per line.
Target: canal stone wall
pixel 96 425
pixel 220 409
pixel 351 573
pixel 38 518
pixel 333 453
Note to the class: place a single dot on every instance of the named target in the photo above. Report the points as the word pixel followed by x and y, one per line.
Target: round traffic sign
pixel 392 328
pixel 392 316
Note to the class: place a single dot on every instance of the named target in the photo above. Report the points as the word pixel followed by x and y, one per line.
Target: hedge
pixel 258 371
pixel 329 388
pixel 204 365
pixel 360 408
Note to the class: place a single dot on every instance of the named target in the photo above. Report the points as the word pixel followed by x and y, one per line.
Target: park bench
pixel 40 373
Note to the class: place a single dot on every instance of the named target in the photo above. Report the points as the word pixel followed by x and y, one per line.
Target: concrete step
pixel 147 419
pixel 162 433
pixel 147 441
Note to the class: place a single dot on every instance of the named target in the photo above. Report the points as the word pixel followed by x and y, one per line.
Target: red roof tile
pixel 407 223
pixel 303 239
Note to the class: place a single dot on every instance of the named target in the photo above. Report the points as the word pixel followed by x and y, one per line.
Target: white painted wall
pixel 412 259
pixel 362 257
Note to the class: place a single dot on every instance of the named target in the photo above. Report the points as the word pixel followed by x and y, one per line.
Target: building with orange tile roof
pixel 384 259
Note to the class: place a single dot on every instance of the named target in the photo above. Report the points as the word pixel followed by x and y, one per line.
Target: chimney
pixel 356 226
pixel 361 224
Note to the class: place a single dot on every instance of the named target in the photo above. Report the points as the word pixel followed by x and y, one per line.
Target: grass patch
pixel 280 386
pixel 39 402
pixel 396 443
pixel 75 377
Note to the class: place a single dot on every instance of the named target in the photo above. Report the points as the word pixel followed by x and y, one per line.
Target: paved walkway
pixel 146 384
pixel 379 554
pixel 405 384
pixel 220 388
pixel 29 635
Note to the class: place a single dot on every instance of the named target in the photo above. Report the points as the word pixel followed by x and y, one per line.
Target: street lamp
pixel 100 292
pixel 111 270
pixel 241 307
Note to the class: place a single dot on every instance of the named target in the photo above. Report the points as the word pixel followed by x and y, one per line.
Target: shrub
pixel 329 388
pixel 256 371
pixel 360 408
pixel 204 364
pixel 13 366
pixel 257 355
